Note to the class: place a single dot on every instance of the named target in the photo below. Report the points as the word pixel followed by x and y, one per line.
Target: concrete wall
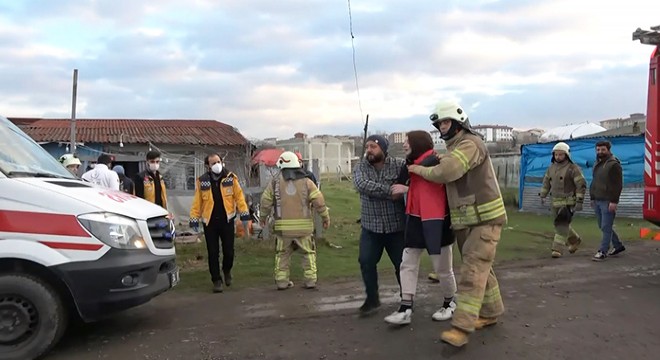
pixel 333 154
pixel 507 169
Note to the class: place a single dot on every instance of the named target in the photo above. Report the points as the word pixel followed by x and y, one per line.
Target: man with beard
pixel 605 190
pixel 565 181
pixel 477 215
pixel 382 215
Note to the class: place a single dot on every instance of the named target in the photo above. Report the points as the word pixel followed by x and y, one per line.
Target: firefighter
pixel 288 198
pixel 477 214
pixel 565 181
pixel 310 175
pixel 71 163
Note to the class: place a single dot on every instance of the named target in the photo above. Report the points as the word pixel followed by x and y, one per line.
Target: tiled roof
pixel 166 131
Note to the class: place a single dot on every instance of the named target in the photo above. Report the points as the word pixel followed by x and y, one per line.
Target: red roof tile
pixel 165 131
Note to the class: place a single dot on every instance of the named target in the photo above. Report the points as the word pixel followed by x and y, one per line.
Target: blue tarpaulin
pixel 536 158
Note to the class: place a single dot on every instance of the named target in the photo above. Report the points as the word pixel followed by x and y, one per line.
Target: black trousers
pixel 216 232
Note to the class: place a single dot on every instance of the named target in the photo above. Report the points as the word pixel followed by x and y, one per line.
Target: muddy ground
pixel 571 308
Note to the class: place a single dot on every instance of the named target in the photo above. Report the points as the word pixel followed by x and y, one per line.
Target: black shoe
pixel 217 286
pixel 613 252
pixel 227 278
pixel 369 306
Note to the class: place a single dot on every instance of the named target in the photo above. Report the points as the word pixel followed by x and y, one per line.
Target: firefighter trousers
pixel 285 247
pixel 564 233
pixel 478 290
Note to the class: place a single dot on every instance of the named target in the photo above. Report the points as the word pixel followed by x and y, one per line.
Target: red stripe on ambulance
pixel 28 222
pixel 71 246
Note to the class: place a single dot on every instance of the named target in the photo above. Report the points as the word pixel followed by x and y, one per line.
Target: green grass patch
pixel 526 236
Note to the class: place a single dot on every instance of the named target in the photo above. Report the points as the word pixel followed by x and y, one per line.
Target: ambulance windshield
pixel 20 156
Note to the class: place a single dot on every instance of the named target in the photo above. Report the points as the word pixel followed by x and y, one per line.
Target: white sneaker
pixel 399 318
pixel 444 313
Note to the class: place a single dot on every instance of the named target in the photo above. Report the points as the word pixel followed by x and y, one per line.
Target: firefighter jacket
pixel 145 188
pixel 289 202
pixel 232 197
pixel 473 192
pixel 564 181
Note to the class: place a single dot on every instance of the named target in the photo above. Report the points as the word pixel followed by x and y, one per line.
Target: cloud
pixel 275 68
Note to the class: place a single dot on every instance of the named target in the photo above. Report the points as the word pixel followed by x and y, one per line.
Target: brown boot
pixel 483 322
pixel 556 254
pixel 574 247
pixel 455 337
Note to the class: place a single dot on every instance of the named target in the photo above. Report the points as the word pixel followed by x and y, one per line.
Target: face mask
pixel 91 166
pixel 154 167
pixel 216 168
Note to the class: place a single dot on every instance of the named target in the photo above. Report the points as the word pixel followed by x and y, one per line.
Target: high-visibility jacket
pixel 565 182
pixel 145 187
pixel 473 192
pixel 232 197
pixel 289 201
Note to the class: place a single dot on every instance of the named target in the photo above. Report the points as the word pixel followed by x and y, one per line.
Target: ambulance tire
pixel 26 297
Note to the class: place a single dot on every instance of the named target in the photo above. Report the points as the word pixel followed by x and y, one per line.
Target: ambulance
pixel 69 248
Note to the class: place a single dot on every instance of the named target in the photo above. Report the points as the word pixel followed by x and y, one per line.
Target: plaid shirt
pixel 379 213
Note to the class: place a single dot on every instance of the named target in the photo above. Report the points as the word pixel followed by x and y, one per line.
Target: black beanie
pixel 380 140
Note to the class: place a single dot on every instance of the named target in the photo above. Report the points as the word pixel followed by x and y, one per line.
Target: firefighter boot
pixel 284 285
pixel 574 247
pixel 454 337
pixel 484 322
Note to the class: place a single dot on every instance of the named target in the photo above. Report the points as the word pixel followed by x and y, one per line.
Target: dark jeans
pixel 605 222
pixel 219 230
pixel 371 250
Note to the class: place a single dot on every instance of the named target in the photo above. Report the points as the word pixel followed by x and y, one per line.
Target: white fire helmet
pixel 288 160
pixel 69 159
pixel 562 146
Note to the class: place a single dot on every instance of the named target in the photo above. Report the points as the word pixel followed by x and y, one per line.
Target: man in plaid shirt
pixel 382 214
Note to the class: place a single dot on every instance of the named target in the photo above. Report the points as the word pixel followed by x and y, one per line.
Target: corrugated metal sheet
pixel 630 203
pixel 165 131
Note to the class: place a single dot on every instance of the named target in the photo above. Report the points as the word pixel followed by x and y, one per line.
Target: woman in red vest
pixel 427 227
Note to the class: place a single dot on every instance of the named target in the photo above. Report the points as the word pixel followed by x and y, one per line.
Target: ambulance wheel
pixel 32 317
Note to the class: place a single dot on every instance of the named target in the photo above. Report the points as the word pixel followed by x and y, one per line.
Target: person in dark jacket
pixel 427 227
pixel 605 190
pixel 125 183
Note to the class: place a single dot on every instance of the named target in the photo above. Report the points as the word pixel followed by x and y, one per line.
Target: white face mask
pixel 91 166
pixel 216 168
pixel 154 167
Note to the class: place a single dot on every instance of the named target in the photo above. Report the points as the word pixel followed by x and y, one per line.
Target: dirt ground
pixel 570 308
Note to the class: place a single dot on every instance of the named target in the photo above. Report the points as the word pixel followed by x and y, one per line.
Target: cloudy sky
pixel 272 68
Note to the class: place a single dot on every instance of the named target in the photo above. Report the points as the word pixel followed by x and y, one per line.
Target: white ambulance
pixel 68 248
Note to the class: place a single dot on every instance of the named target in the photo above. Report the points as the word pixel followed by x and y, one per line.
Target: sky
pixel 274 68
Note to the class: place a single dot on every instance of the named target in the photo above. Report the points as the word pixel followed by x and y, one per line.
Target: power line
pixel 357 85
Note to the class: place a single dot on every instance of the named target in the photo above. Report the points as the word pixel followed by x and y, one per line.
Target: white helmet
pixel 288 160
pixel 448 109
pixel 69 159
pixel 562 146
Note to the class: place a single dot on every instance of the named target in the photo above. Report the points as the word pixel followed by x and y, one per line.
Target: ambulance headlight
pixel 114 230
